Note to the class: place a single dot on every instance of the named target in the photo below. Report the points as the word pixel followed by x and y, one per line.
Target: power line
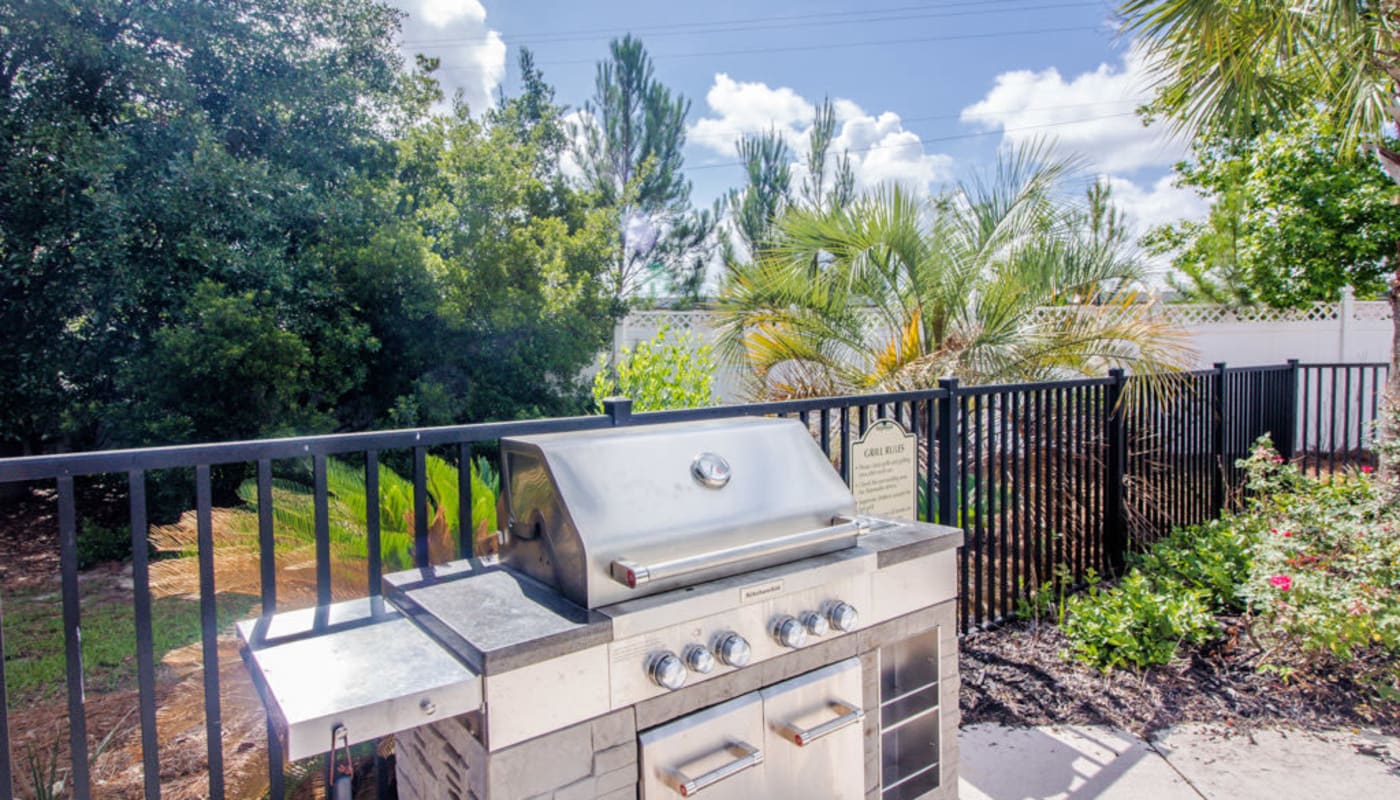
pixel 867 16
pixel 949 138
pixel 828 46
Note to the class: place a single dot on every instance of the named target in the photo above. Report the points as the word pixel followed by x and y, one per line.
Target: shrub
pixel 1135 624
pixel 1212 559
pixel 664 373
pixel 99 543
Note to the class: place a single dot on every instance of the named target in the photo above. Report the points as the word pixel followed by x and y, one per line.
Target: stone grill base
pixel 598 759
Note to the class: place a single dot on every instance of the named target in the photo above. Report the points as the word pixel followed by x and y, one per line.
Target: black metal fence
pixel 1048 481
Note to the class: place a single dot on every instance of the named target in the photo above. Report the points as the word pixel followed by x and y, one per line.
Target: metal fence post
pixel 1288 444
pixel 619 408
pixel 1217 487
pixel 1115 528
pixel 947 435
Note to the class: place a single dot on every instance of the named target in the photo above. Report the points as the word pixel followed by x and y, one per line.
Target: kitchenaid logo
pixel 750 593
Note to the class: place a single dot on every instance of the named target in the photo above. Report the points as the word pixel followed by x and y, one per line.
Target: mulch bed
pixel 1016 675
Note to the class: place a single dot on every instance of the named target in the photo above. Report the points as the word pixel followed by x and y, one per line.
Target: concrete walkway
pixel 1184 763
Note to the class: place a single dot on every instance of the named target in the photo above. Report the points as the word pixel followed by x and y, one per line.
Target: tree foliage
pixel 630 149
pixel 153 151
pixel 481 270
pixel 1291 222
pixel 241 218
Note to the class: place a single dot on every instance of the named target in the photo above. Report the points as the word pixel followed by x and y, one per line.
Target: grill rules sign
pixel 885 472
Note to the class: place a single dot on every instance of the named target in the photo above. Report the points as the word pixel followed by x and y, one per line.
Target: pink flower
pixel 1281 582
pixel 1274 531
pixel 1288 534
pixel 1368 469
pixel 1278 459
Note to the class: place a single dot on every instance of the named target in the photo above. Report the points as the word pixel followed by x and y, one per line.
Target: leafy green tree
pixel 281 382
pixel 890 293
pixel 664 373
pixel 1236 69
pixel 482 272
pixel 149 148
pixel 630 150
pixel 1291 224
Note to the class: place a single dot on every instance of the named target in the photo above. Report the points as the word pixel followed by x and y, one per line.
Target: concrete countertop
pixel 492 618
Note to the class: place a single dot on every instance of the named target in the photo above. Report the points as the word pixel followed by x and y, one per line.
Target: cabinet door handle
pixel 850 715
pixel 746 756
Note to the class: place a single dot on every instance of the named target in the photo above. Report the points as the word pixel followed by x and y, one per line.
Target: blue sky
pixel 926 90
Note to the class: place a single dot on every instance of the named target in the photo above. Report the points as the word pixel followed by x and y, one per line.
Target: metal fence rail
pixel 1049 481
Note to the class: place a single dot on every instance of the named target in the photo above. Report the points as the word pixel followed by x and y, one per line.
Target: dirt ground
pixel 39 730
pixel 1016 675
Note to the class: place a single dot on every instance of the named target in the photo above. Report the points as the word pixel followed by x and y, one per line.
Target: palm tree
pixel 1238 68
pixel 892 292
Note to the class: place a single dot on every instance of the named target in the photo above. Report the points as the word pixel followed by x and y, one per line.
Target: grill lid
pixel 626 512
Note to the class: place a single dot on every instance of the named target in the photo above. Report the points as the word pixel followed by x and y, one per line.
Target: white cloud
pixel 1089 115
pixel 1147 207
pixel 745 107
pixel 473 55
pixel 881 150
pixel 441 13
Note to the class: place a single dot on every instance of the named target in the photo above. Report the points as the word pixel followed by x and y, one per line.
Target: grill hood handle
pixel 633 574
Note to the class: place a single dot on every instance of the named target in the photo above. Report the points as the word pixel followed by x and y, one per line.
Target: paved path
pixel 1192 762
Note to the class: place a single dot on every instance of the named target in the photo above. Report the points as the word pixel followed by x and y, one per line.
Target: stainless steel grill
pixel 616 515
pixel 709 589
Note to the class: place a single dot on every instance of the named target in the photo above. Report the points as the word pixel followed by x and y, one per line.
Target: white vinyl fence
pixel 1345 331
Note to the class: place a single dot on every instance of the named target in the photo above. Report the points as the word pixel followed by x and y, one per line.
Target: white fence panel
pixel 1345 331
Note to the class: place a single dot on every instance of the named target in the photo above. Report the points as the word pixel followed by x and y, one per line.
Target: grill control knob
pixel 789 632
pixel 814 623
pixel 667 671
pixel 698 659
pixel 842 616
pixel 733 650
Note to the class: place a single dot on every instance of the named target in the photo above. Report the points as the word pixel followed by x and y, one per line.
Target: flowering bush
pixel 1326 574
pixel 1312 567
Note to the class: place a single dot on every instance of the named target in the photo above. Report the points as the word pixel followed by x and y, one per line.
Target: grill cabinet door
pixel 714 754
pixel 814 737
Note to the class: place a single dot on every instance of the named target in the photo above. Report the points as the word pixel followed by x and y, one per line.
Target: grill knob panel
pixel 667 671
pixel 789 632
pixel 814 623
pixel 733 650
pixel 698 659
pixel 842 616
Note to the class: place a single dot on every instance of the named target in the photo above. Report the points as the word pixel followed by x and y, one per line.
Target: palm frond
pixel 892 293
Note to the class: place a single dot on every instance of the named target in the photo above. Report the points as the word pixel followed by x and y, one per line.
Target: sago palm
pixel 895 292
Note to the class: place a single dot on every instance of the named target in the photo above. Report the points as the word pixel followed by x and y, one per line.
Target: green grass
pixel 33 628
